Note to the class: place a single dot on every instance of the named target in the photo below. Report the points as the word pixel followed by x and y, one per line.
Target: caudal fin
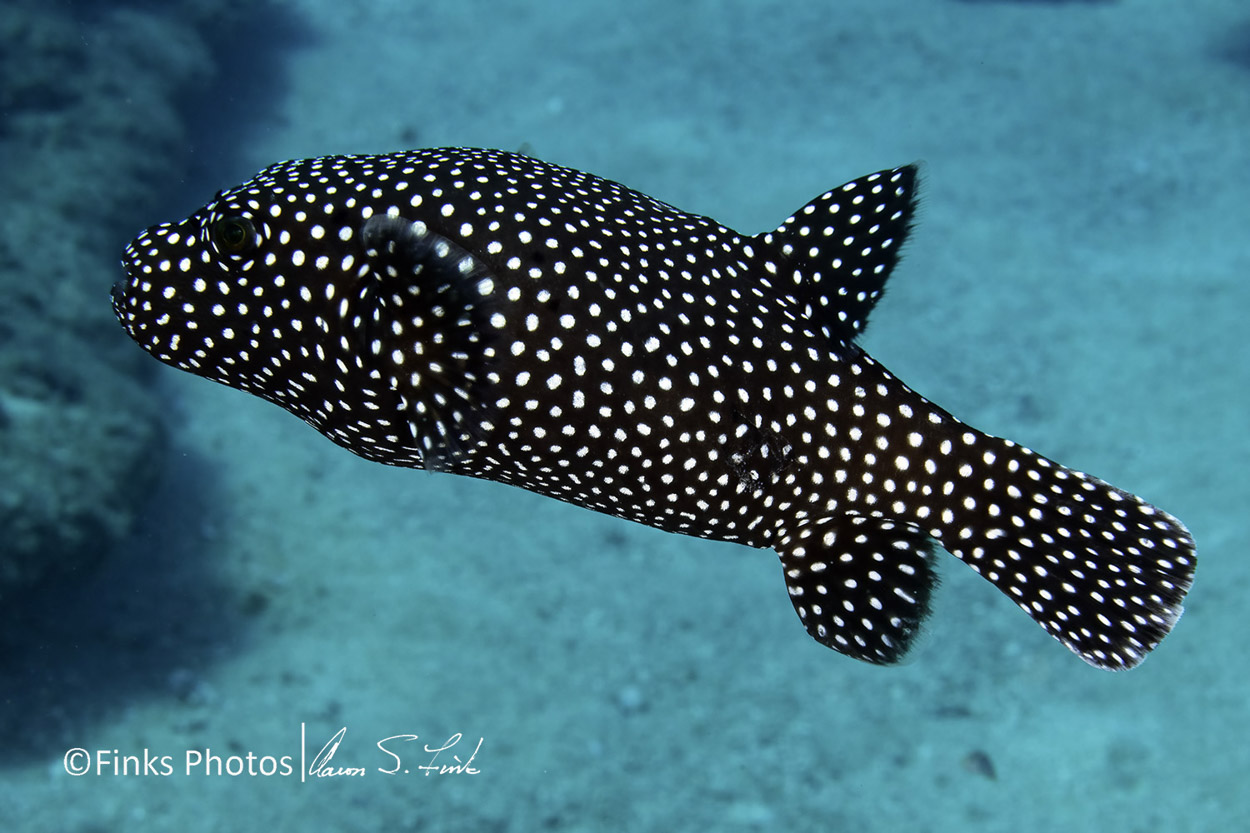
pixel 1100 569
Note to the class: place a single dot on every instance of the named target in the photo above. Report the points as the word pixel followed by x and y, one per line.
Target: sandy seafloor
pixel 1077 282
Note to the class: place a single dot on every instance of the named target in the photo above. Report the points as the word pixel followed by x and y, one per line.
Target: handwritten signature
pixel 440 761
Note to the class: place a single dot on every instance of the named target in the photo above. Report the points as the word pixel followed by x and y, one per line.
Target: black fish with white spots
pixel 487 314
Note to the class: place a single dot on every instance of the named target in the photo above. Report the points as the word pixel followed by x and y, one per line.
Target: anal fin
pixel 860 585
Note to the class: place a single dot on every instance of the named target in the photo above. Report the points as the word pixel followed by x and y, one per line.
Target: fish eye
pixel 234 235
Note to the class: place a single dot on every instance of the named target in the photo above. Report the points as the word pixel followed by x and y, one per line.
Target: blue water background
pixel 1076 282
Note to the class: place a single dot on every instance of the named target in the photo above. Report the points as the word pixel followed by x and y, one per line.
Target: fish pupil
pixel 234 235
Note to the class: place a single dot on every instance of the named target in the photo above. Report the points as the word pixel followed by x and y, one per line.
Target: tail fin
pixel 1101 570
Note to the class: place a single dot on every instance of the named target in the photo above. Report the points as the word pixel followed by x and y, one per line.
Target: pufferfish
pixel 483 313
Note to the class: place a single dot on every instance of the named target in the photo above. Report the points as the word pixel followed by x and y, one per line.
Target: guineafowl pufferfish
pixel 487 314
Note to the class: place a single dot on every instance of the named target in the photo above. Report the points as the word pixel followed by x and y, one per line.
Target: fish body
pixel 483 313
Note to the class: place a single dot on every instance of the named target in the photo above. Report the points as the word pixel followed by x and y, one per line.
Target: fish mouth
pixel 123 293
pixel 118 293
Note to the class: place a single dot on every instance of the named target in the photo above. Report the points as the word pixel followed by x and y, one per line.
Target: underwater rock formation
pixel 90 136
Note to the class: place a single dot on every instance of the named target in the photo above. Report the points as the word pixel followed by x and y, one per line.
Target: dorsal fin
pixel 841 246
